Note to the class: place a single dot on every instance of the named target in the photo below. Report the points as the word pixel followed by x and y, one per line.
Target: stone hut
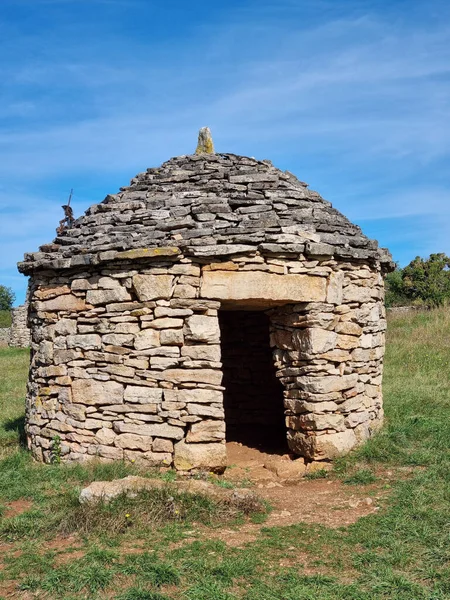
pixel 215 298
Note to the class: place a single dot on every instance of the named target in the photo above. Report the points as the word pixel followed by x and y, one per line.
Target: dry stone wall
pixel 126 360
pixel 19 332
pixel 4 336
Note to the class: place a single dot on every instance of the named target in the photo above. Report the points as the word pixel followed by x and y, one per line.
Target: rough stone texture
pixel 128 361
pixel 235 285
pixel 5 333
pixel 210 456
pixel 209 205
pixel 105 491
pixel 19 336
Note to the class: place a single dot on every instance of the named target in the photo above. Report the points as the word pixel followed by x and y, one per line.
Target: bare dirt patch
pixel 16 508
pixel 322 501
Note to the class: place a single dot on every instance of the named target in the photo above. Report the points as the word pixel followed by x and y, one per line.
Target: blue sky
pixel 351 96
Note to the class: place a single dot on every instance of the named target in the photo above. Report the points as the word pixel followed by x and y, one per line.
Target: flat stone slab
pixel 235 285
pixel 105 491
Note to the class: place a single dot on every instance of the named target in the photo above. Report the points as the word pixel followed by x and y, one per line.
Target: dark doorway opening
pixel 253 397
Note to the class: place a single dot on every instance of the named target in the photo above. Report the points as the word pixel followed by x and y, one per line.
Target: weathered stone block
pixel 313 340
pixel 171 337
pixel 213 377
pixel 66 327
pixel 335 287
pixel 132 441
pixel 148 338
pixel 206 431
pixel 152 287
pixel 90 341
pixel 118 339
pixel 203 410
pixel 200 328
pixel 202 352
pixel 67 303
pixel 198 396
pixel 166 323
pixel 331 383
pixel 327 446
pixel 236 285
pixel 106 296
pixel 200 456
pixel 92 392
pixel 143 394
pixel 105 436
pixel 162 445
pixel 162 430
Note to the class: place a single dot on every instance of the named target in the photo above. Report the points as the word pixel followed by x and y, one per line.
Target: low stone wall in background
pixel 20 334
pixel 4 336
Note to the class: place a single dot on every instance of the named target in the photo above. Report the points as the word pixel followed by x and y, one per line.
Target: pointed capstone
pixel 205 143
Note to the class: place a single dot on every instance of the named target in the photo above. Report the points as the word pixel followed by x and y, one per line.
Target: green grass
pixel 400 552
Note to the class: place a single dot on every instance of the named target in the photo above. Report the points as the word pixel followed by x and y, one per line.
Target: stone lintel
pixel 262 287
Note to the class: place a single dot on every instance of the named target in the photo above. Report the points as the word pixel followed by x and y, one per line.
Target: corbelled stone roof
pixel 208 205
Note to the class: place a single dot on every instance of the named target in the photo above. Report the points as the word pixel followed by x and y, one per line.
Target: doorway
pixel 253 396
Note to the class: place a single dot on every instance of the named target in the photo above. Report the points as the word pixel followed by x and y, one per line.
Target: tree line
pixel 424 282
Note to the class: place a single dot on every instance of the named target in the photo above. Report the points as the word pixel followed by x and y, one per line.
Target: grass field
pixel 142 549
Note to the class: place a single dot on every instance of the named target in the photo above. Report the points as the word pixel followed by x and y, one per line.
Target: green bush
pixel 424 282
pixel 7 297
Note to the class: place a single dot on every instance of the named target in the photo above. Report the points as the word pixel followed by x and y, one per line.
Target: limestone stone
pixel 162 430
pixel 324 385
pixel 211 376
pixel 313 340
pixel 185 291
pixel 117 339
pixel 152 287
pixel 68 303
pixel 286 469
pixel 66 326
pixel 166 323
pixel 335 287
pixel 206 431
pixel 84 341
pixel 148 338
pixel 211 456
pixel 208 352
pixel 197 396
pixel 349 328
pixel 143 394
pixel 108 452
pixel 347 342
pixel 200 328
pixel 43 293
pixel 132 441
pixel 149 458
pixel 105 436
pixel 357 293
pixel 320 447
pixel 106 296
pixel 171 337
pixel 356 418
pixel 236 285
pixel 92 393
pixel 162 445
pixel 204 410
pixel 316 422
